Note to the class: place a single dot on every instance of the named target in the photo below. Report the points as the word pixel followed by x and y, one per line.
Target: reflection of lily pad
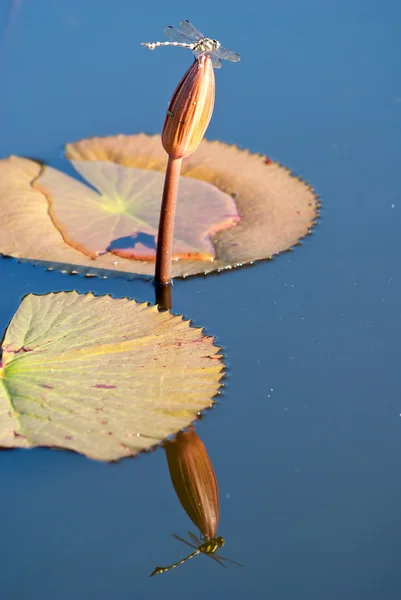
pixel 104 377
pixel 276 208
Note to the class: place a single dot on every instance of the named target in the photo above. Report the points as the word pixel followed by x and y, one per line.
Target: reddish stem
pixel 164 251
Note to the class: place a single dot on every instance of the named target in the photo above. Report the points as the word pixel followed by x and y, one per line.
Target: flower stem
pixel 165 236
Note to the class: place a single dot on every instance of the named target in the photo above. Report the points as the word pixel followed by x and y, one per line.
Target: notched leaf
pixel 90 382
pixel 123 216
pixel 113 232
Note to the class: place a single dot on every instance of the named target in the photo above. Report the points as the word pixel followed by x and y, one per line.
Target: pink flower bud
pixel 190 109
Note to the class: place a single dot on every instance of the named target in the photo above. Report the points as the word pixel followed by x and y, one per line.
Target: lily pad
pixel 276 210
pixel 103 377
pixel 127 208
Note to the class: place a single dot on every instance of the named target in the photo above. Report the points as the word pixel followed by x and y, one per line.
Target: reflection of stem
pixel 165 236
pixel 163 296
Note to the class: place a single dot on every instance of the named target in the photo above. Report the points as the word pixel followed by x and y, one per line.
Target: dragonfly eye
pixel 216 43
pixel 220 540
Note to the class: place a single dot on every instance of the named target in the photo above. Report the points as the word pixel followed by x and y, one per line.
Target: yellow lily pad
pixel 103 377
pixel 275 209
pixel 126 210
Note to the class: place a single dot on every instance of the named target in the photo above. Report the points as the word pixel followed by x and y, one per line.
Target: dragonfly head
pixel 216 47
pixel 220 540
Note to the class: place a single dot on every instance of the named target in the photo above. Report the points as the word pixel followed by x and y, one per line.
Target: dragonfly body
pixel 208 547
pixel 204 45
pixel 191 38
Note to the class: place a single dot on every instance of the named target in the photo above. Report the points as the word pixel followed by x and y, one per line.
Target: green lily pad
pixel 103 377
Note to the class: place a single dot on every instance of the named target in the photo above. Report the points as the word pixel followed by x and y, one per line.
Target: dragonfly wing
pixel 175 35
pixel 195 540
pixel 216 558
pixel 180 539
pixel 227 559
pixel 216 62
pixel 190 30
pixel 227 54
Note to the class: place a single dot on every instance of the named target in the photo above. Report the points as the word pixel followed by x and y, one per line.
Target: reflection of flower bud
pixel 190 109
pixel 194 481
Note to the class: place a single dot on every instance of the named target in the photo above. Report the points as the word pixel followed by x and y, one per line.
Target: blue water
pixel 306 441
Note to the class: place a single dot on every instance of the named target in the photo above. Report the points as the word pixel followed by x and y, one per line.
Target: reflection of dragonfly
pixel 189 37
pixel 208 547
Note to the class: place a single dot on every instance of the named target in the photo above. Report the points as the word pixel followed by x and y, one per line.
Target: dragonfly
pixel 190 37
pixel 204 546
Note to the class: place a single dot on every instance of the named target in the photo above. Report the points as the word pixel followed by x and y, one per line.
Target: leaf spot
pixel 103 386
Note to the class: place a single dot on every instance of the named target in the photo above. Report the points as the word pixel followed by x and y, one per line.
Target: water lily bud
pixel 190 109
pixel 194 481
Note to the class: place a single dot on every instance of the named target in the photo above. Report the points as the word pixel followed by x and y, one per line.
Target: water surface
pixel 306 441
